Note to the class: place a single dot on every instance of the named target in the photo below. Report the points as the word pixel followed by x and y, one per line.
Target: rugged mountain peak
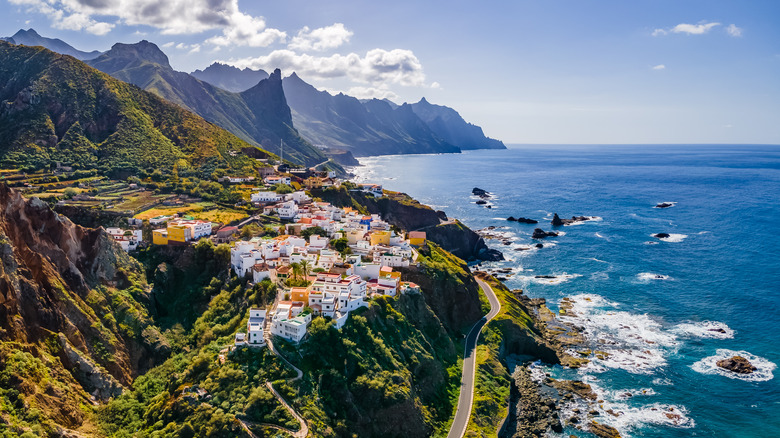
pixel 30 37
pixel 21 33
pixel 276 76
pixel 140 51
pixel 229 77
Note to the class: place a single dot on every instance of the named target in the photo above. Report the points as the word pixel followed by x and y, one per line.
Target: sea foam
pixel 632 342
pixel 708 365
pixel 647 276
pixel 705 329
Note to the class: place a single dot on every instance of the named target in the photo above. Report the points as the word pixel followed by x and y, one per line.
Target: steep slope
pixel 230 78
pixel 70 316
pixel 364 128
pixel 449 125
pixel 30 37
pixel 56 108
pixel 145 65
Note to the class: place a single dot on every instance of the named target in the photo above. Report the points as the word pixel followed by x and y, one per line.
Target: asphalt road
pixel 462 414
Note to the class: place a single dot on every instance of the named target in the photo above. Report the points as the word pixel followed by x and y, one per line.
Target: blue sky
pixel 527 71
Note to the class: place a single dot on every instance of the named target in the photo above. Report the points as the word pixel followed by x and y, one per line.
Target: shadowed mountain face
pixel 145 65
pixel 449 125
pixel 230 78
pixel 374 127
pixel 58 109
pixel 30 37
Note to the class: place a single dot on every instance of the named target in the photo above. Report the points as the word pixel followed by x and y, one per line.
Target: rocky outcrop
pixel 476 191
pixel 531 413
pixel 522 220
pixel 661 235
pixel 541 234
pixel 737 364
pixel 462 241
pixel 664 205
pixel 71 292
pixel 558 222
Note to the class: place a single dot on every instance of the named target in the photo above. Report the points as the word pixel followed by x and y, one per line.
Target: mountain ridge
pixel 230 78
pixel 58 109
pixel 145 65
pixel 30 37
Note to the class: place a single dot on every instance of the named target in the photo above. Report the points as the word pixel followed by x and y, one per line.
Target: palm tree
pixel 305 269
pixel 296 270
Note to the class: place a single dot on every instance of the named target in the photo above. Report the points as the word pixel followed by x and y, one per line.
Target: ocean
pixel 664 310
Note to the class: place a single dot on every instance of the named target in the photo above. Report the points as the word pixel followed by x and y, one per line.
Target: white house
pixel 254 327
pixel 372 189
pixel 287 210
pixel 265 197
pixel 260 271
pixel 275 179
pixel 297 197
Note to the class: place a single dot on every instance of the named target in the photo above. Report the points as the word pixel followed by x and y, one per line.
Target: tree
pixel 340 245
pixel 305 269
pixel 283 189
pixel 70 192
pixel 313 230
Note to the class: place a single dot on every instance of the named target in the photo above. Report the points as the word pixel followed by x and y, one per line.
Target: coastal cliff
pixel 73 329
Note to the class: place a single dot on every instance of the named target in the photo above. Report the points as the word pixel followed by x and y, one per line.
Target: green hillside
pixel 58 109
pixel 259 115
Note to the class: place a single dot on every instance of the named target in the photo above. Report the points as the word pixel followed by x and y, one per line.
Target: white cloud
pixel 690 29
pixel 380 92
pixel 65 18
pixel 659 67
pixel 378 66
pixel 170 16
pixel 245 30
pixel 436 85
pixel 734 31
pixel 168 44
pixel 323 38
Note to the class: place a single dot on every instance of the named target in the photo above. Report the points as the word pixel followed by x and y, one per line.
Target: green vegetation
pixel 70 113
pixel 392 361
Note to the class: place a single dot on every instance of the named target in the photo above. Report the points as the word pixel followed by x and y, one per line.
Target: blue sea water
pixel 652 304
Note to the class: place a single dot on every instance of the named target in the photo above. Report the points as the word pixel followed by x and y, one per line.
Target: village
pixel 325 261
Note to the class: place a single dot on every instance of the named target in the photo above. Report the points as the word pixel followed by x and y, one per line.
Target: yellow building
pixel 380 238
pixel 417 237
pixel 354 236
pixel 160 237
pixel 299 294
pixel 179 234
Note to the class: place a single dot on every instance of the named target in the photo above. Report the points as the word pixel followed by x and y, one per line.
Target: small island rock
pixel 541 234
pixel 737 364
pixel 664 205
pixel 661 235
pixel 476 191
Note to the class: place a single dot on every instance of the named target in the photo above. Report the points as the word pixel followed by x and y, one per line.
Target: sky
pixel 526 71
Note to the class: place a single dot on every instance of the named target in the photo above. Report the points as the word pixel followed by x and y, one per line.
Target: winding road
pixel 466 399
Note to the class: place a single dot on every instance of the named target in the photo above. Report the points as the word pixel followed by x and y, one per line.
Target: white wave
pixel 589 219
pixel 647 276
pixel 706 329
pixel 651 243
pixel 673 238
pixel 708 365
pixel 548 279
pixel 614 410
pixel 599 235
pixel 599 276
pixel 632 342
pixel 662 382
pixel 597 260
